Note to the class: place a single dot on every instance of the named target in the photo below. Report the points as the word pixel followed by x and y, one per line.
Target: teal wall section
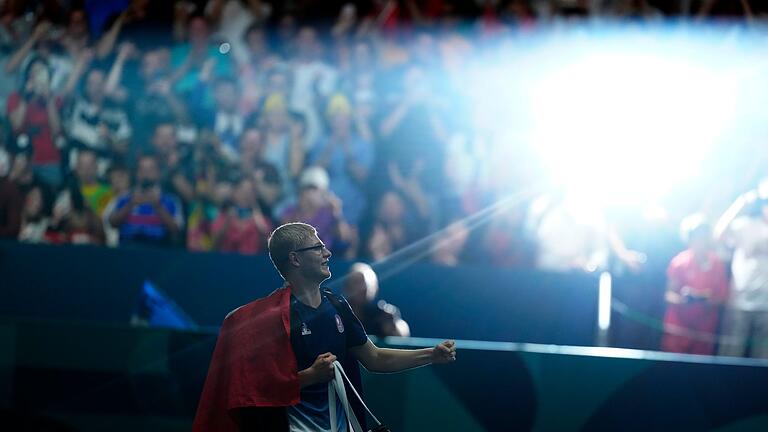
pixel 111 377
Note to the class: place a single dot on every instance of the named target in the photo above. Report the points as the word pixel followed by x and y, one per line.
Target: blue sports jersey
pixel 321 330
pixel 144 224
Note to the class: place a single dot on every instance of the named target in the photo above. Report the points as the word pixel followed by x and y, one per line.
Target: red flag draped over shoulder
pixel 253 364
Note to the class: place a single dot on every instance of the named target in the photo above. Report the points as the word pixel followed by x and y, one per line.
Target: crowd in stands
pixel 205 124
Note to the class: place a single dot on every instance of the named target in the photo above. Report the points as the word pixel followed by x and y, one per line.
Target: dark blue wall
pixel 97 284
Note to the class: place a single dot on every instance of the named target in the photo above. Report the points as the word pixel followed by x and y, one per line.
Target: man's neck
pixel 306 292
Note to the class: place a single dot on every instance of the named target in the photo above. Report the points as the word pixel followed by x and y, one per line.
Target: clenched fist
pixel 444 352
pixel 322 368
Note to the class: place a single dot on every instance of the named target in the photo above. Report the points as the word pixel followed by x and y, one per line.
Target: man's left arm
pixel 384 360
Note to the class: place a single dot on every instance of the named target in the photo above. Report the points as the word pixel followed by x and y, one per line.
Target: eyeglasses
pixel 318 247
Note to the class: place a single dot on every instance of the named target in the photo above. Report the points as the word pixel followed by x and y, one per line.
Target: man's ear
pixel 293 259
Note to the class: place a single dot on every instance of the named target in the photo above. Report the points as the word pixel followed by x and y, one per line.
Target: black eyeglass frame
pixel 317 246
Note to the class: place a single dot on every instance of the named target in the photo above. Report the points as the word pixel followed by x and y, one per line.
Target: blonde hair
pixel 286 239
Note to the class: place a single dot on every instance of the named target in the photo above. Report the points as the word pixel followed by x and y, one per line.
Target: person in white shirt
pixel 743 228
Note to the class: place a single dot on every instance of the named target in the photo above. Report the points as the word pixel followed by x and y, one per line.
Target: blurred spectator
pixel 119 184
pixel 147 214
pixel 696 287
pixel 283 142
pixel 198 58
pixel 319 207
pixel 392 227
pixel 176 164
pixel 505 240
pixel 43 45
pixel 213 194
pixel 26 179
pixel 240 226
pixel 152 99
pixel 224 118
pixel 80 224
pixel 97 122
pixel 361 286
pixel 77 34
pixel 358 81
pixel 234 18
pixel 33 111
pixel 313 80
pixel 265 175
pixel 744 229
pixel 450 244
pixel 570 234
pixel 35 220
pixel 346 157
pixel 96 195
pixel 413 133
pixel 146 24
pixel 254 66
pixel 11 205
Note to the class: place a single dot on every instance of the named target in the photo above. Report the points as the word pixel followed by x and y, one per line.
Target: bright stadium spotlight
pixel 627 127
pixel 623 117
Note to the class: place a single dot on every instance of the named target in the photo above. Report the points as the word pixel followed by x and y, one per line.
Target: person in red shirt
pixel 241 227
pixel 34 115
pixel 696 288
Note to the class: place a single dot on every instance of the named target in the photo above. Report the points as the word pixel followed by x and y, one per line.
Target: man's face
pixel 164 139
pixel 314 261
pixel 312 196
pixel 306 42
pixel 341 123
pixel 244 194
pixel 77 27
pixel 250 143
pixel 86 168
pixel 148 171
pixel 94 85
pixel 198 31
pixel 153 65
pixel 33 203
pixel 120 180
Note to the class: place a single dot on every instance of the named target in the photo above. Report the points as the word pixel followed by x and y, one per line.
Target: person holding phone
pixel 240 226
pixel 33 112
pixel 318 206
pixel 147 214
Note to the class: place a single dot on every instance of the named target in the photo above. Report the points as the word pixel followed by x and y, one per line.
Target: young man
pixel 274 356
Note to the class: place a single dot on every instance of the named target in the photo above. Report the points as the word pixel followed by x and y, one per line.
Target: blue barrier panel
pixel 99 284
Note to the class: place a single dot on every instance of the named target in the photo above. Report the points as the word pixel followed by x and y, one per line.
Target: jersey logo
pixel 339 324
pixel 305 330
